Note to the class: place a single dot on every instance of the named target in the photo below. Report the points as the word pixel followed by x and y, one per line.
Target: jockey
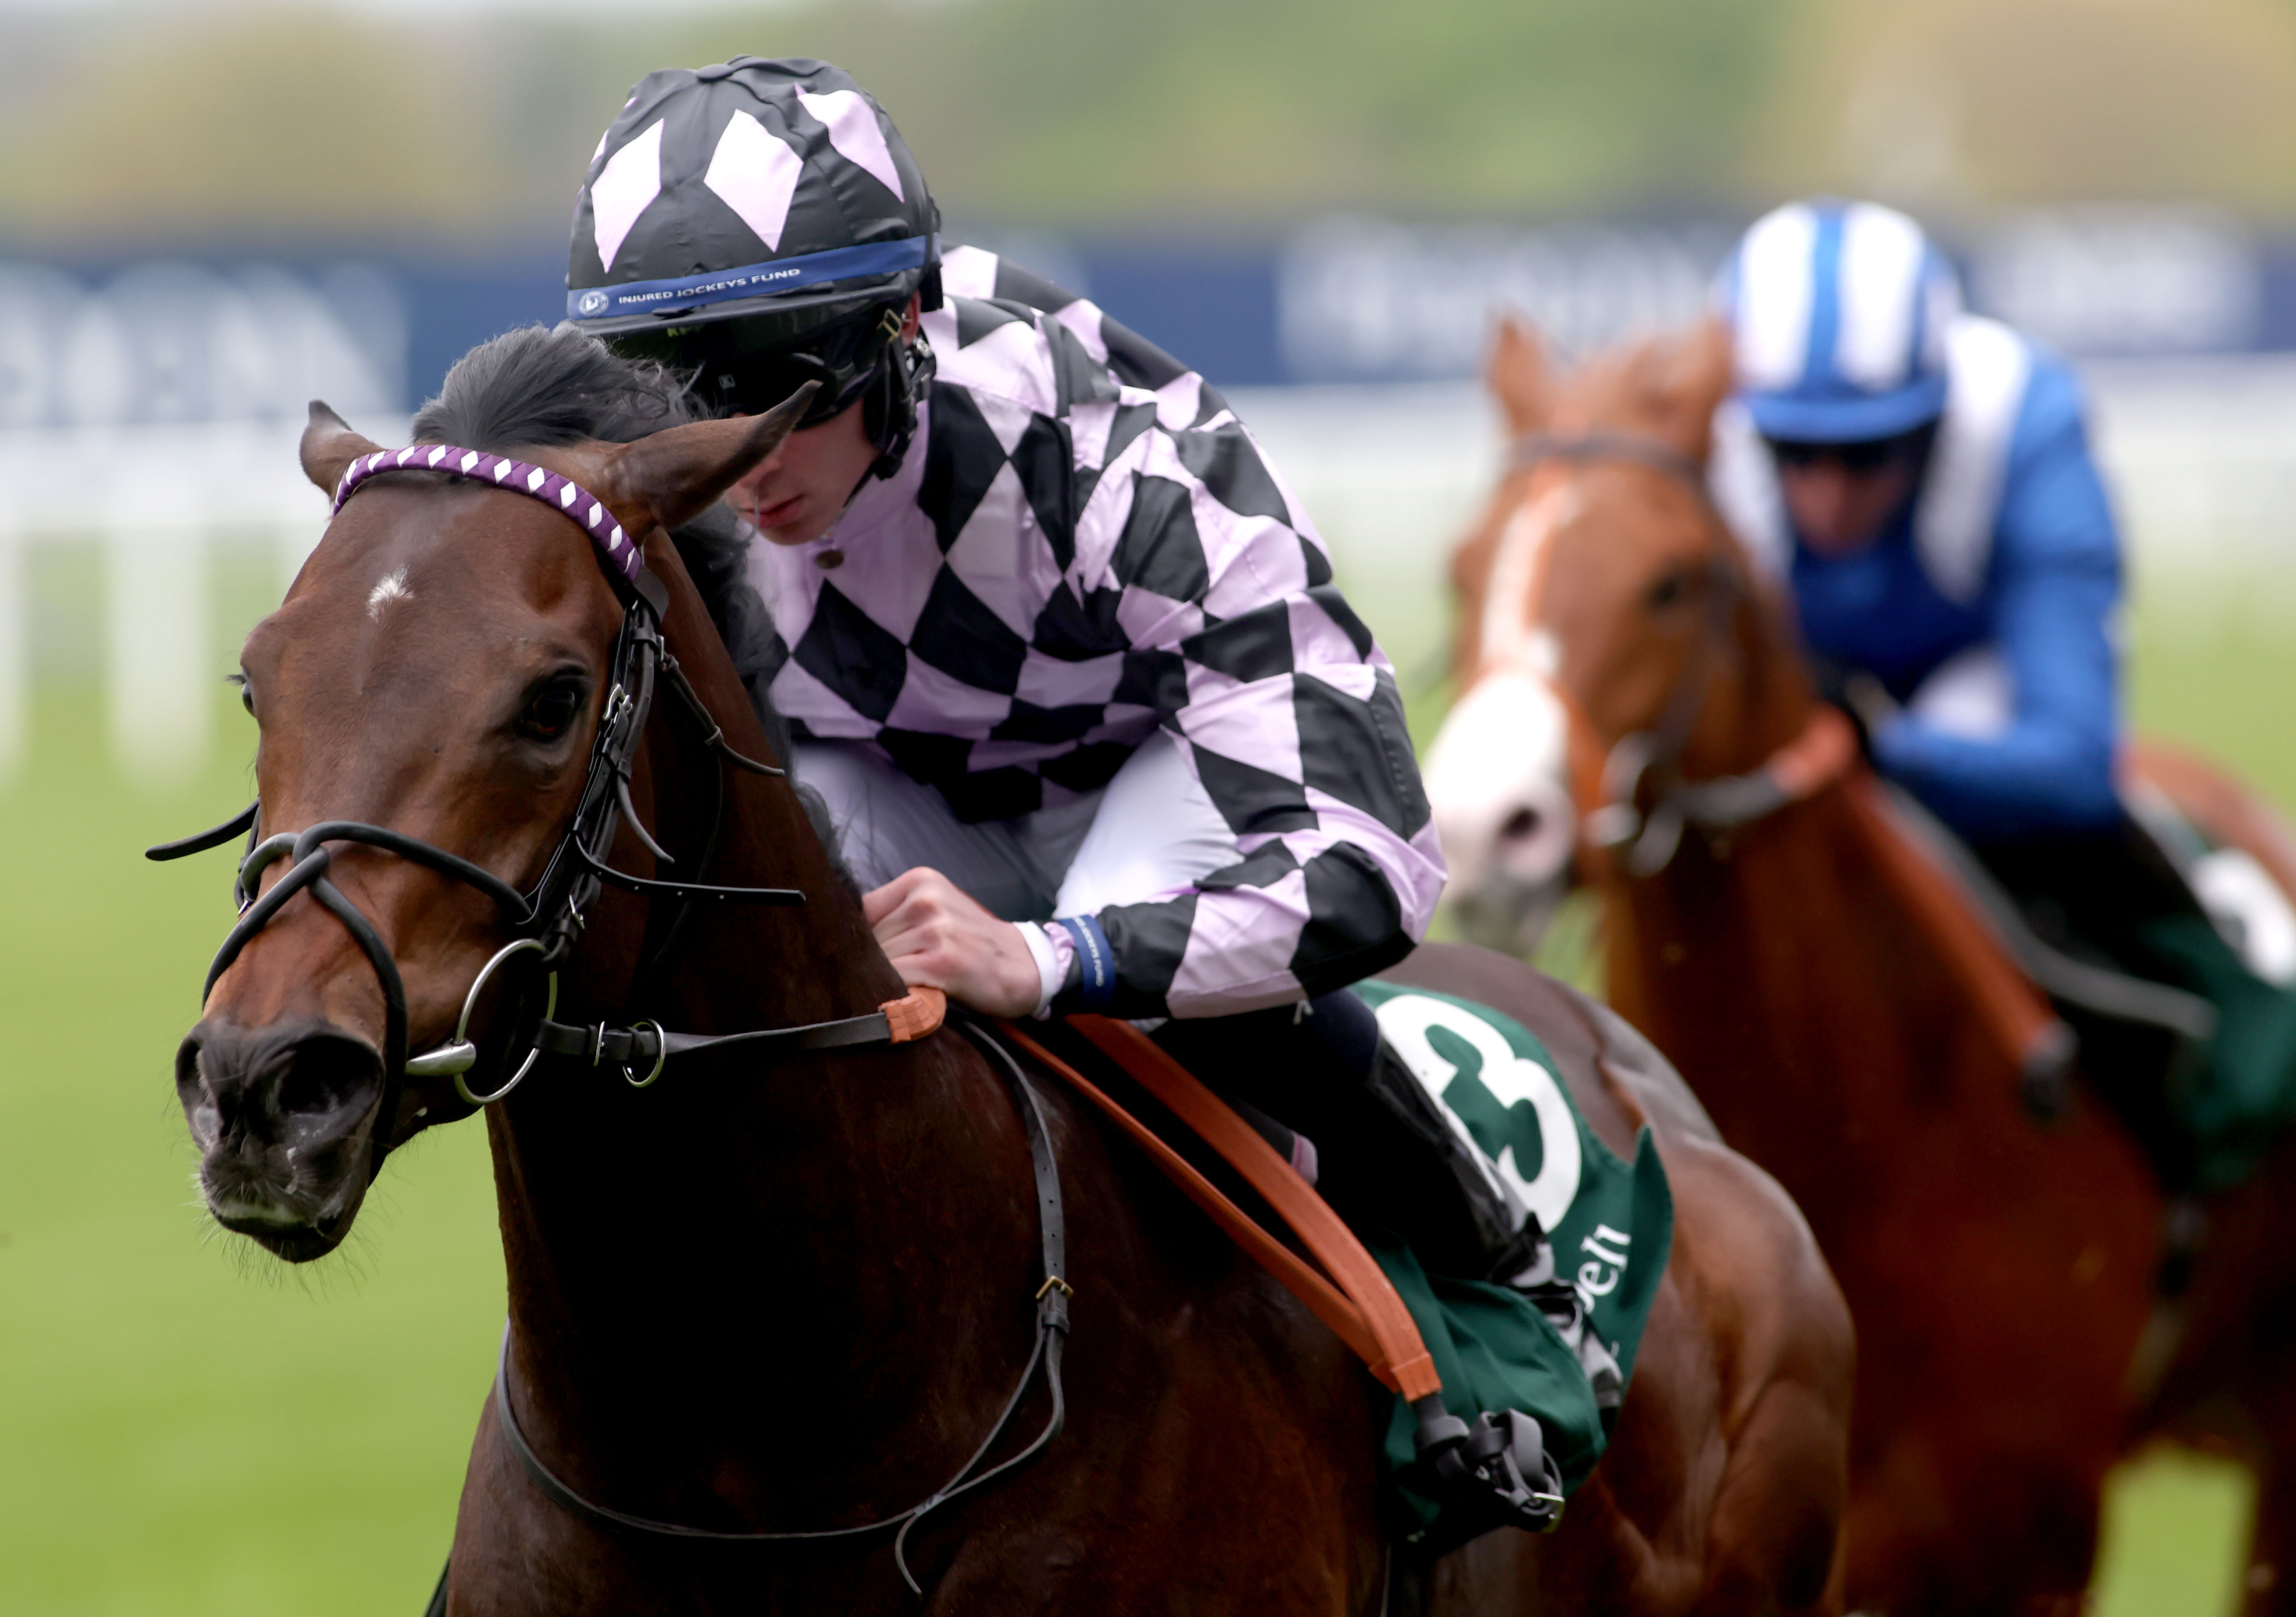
pixel 1922 477
pixel 1094 727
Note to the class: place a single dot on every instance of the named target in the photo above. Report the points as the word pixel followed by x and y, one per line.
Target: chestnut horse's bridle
pixel 548 921
pixel 1650 837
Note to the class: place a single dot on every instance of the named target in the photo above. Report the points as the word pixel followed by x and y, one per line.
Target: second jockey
pixel 1921 477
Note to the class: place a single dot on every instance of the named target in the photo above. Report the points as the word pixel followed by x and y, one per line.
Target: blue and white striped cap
pixel 1839 313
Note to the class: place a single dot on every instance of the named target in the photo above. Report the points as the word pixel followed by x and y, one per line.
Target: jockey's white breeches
pixel 1149 832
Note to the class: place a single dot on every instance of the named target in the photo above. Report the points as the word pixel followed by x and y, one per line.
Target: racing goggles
pixel 732 377
pixel 1864 456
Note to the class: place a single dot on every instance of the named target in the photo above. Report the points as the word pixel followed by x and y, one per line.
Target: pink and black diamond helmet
pixel 761 223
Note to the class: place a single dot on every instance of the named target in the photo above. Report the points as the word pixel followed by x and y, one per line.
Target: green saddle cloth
pixel 1611 1226
pixel 2236 1097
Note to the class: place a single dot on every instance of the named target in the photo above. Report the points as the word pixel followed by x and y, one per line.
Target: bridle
pixel 548 921
pixel 1819 754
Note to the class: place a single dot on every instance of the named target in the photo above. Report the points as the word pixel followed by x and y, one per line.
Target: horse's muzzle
pixel 285 1117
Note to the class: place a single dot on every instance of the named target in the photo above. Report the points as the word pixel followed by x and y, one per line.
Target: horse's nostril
pixel 326 1075
pixel 1522 823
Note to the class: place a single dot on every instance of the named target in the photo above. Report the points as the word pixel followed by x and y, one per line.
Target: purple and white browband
pixel 536 482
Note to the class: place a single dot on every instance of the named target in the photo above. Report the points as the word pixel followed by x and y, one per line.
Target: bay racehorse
pixel 799 1289
pixel 1787 951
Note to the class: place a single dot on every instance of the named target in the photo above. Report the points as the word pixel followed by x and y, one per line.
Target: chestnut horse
pixel 2002 1275
pixel 797 1297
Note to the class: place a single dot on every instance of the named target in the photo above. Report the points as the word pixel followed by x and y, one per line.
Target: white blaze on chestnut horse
pixel 1635 713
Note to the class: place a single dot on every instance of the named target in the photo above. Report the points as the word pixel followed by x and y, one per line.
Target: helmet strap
pixel 889 405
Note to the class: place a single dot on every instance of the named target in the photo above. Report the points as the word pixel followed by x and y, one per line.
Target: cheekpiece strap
pixel 624 560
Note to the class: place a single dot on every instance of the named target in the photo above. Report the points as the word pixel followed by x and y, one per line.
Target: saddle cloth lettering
pixel 1610 1225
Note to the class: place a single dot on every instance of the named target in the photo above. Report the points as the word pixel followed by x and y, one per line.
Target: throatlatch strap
pixel 1363 1309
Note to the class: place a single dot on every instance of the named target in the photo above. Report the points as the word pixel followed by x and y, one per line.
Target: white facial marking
pixel 1502 752
pixel 391 586
pixel 1499 773
pixel 1508 608
pixel 1542 654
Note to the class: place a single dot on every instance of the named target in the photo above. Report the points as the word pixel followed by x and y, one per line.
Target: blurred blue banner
pixel 131 340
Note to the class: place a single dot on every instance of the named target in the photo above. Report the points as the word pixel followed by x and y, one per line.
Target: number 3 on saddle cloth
pixel 1534 1339
pixel 1503 1342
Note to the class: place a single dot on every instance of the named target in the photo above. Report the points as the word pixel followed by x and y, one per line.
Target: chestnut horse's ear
pixel 1518 376
pixel 675 475
pixel 1693 376
pixel 329 445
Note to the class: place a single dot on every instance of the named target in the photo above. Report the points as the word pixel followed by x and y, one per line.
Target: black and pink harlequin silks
pixel 561 494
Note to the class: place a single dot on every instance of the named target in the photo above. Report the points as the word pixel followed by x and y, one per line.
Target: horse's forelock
pixel 537 387
pixel 1666 386
pixel 543 388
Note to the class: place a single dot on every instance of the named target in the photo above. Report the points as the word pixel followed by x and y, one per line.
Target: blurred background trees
pixel 470 124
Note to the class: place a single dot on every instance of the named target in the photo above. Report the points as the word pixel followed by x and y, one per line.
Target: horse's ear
pixel 329 445
pixel 675 475
pixel 1519 376
pixel 1694 377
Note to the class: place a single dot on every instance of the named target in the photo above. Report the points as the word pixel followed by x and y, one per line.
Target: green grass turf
pixel 188 1428
pixel 2175 1527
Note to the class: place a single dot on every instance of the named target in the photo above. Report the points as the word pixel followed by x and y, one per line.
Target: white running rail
pixel 2202 454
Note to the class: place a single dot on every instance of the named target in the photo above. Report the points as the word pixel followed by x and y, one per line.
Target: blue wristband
pixel 1098 965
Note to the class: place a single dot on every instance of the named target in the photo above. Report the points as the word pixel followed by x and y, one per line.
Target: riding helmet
pixel 1839 314
pixel 761 223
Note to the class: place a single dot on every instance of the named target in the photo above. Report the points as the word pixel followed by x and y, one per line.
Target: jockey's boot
pixel 1387 1152
pixel 2209 1101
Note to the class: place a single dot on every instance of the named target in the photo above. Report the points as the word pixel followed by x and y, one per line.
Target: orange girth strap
pixel 1363 1308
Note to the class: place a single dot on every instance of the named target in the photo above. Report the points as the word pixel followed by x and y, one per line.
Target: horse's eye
pixel 246 697
pixel 1669 589
pixel 551 709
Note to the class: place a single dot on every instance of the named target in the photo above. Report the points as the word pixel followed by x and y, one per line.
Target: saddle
pixel 1507 1383
pixel 2086 952
pixel 1494 1472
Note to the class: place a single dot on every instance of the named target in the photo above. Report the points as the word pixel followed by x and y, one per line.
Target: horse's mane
pixel 538 387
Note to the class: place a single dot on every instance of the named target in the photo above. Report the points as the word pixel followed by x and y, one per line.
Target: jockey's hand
pixel 937 936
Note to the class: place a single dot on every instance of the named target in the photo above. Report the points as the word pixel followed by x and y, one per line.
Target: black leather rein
pixel 1052 1304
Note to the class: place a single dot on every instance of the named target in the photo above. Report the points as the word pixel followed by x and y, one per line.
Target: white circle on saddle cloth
pixel 1405 1021
pixel 2251 912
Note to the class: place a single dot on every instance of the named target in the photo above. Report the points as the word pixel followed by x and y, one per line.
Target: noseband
pixel 549 920
pixel 1823 749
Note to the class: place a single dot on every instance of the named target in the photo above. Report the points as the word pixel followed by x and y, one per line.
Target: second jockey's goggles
pixel 747 366
pixel 1859 456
